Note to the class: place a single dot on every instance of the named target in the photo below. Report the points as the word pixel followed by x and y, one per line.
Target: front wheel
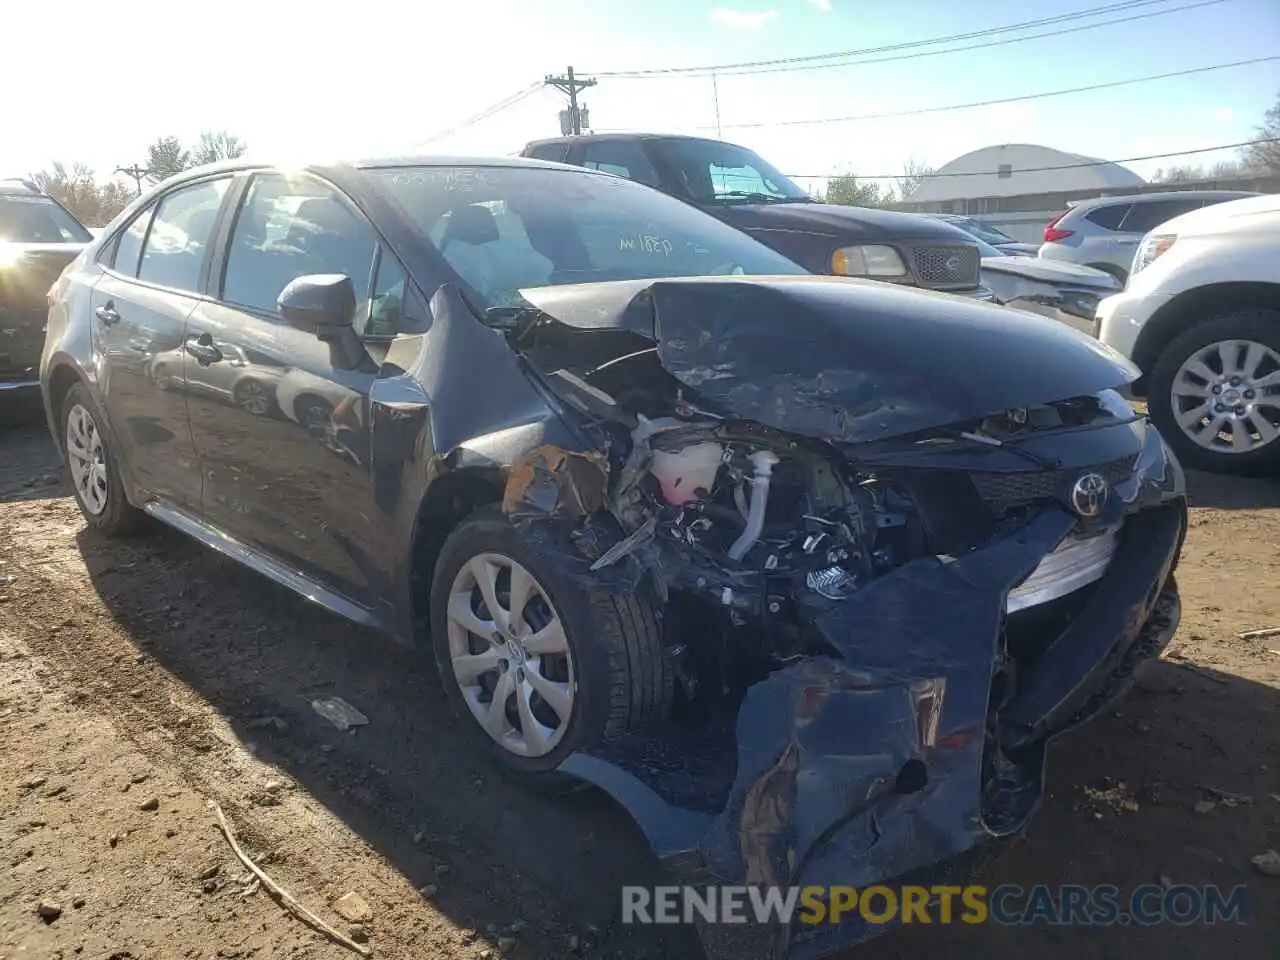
pixel 95 476
pixel 539 667
pixel 1215 393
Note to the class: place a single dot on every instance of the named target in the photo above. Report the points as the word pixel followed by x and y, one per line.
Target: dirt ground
pixel 141 680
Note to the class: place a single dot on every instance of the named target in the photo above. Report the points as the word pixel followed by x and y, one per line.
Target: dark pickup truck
pixel 741 188
pixel 38 238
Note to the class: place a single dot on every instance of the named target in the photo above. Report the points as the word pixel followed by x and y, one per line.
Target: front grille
pixel 1003 491
pixel 946 266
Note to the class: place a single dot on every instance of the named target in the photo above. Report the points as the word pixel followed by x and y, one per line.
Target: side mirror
pixel 319 303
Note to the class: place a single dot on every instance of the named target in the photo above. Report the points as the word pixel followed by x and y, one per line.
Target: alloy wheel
pixel 252 396
pixel 1226 396
pixel 87 459
pixel 510 655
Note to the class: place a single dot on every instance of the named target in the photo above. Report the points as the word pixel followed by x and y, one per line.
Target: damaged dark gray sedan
pixel 805 572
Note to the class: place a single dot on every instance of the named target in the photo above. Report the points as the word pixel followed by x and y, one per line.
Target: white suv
pixel 1201 319
pixel 1104 232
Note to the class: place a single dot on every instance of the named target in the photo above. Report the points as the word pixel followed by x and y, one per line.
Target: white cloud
pixel 823 5
pixel 743 19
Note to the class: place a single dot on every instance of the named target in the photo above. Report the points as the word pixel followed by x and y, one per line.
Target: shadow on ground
pixel 260 655
pixel 1232 493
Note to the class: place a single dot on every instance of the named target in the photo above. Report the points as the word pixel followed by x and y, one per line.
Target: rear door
pixel 153 271
pixel 285 443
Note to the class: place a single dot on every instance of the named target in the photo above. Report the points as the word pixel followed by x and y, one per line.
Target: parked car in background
pixel 38 237
pixel 1201 319
pixel 652 526
pixel 1064 292
pixel 988 234
pixel 1103 233
pixel 743 189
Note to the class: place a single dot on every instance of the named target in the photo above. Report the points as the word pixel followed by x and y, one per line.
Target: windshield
pixel 715 172
pixel 38 220
pixel 505 228
pixel 983 231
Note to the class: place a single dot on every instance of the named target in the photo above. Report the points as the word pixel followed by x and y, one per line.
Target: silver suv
pixel 1104 233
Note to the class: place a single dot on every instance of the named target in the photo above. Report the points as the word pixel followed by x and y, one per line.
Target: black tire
pixel 1119 273
pixel 118 517
pixel 1259 324
pixel 623 677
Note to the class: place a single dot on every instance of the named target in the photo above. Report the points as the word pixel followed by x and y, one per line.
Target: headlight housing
pixel 1153 245
pixel 868 260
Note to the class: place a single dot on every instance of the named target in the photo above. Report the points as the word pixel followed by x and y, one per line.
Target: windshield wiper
pixel 763 197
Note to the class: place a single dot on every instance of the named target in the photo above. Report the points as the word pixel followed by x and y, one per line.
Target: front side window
pixel 622 158
pixel 180 235
pixel 289 227
pixel 505 228
pixel 38 220
pixel 711 171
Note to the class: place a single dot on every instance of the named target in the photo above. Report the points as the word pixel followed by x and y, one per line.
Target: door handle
pixel 107 313
pixel 203 350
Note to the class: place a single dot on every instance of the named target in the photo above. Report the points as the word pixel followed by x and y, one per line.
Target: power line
pixel 1062 166
pixel 508 101
pixel 730 70
pixel 989 103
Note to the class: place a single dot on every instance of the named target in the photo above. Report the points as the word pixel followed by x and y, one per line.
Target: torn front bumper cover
pixel 896 761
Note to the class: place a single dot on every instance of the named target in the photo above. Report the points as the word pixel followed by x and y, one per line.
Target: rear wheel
pixel 539 667
pixel 95 477
pixel 1215 393
pixel 252 396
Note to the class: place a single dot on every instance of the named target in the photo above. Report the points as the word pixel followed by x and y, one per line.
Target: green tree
pixel 914 173
pixel 165 158
pixel 846 189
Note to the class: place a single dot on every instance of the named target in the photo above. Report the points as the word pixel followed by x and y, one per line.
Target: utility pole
pixel 135 171
pixel 571 85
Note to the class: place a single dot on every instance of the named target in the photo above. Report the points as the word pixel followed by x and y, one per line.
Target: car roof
pixel 638 135
pixel 16 186
pixel 372 163
pixel 1094 202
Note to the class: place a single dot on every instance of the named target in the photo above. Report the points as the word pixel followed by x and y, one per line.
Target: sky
pixel 316 81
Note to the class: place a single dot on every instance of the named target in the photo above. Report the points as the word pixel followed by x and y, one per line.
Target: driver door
pixel 284 470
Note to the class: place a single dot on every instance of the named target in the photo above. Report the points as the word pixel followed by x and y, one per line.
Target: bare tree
pixel 217 145
pixel 914 173
pixel 1265 157
pixel 76 188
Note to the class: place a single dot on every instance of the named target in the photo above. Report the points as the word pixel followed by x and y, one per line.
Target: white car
pixel 1201 319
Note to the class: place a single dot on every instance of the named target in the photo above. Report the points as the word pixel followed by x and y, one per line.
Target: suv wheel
pixel 1215 393
pixel 95 479
pixel 539 667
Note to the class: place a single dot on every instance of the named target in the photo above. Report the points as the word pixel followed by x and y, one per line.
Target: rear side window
pixel 555 151
pixel 292 227
pixel 180 235
pixel 622 158
pixel 129 244
pixel 1109 218
pixel 1144 217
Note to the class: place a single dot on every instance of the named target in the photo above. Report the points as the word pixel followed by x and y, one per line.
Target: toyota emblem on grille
pixel 1089 495
pixel 953 264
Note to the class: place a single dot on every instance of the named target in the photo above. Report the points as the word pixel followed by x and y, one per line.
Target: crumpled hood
pixel 839 359
pixel 841 222
pixel 1052 271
